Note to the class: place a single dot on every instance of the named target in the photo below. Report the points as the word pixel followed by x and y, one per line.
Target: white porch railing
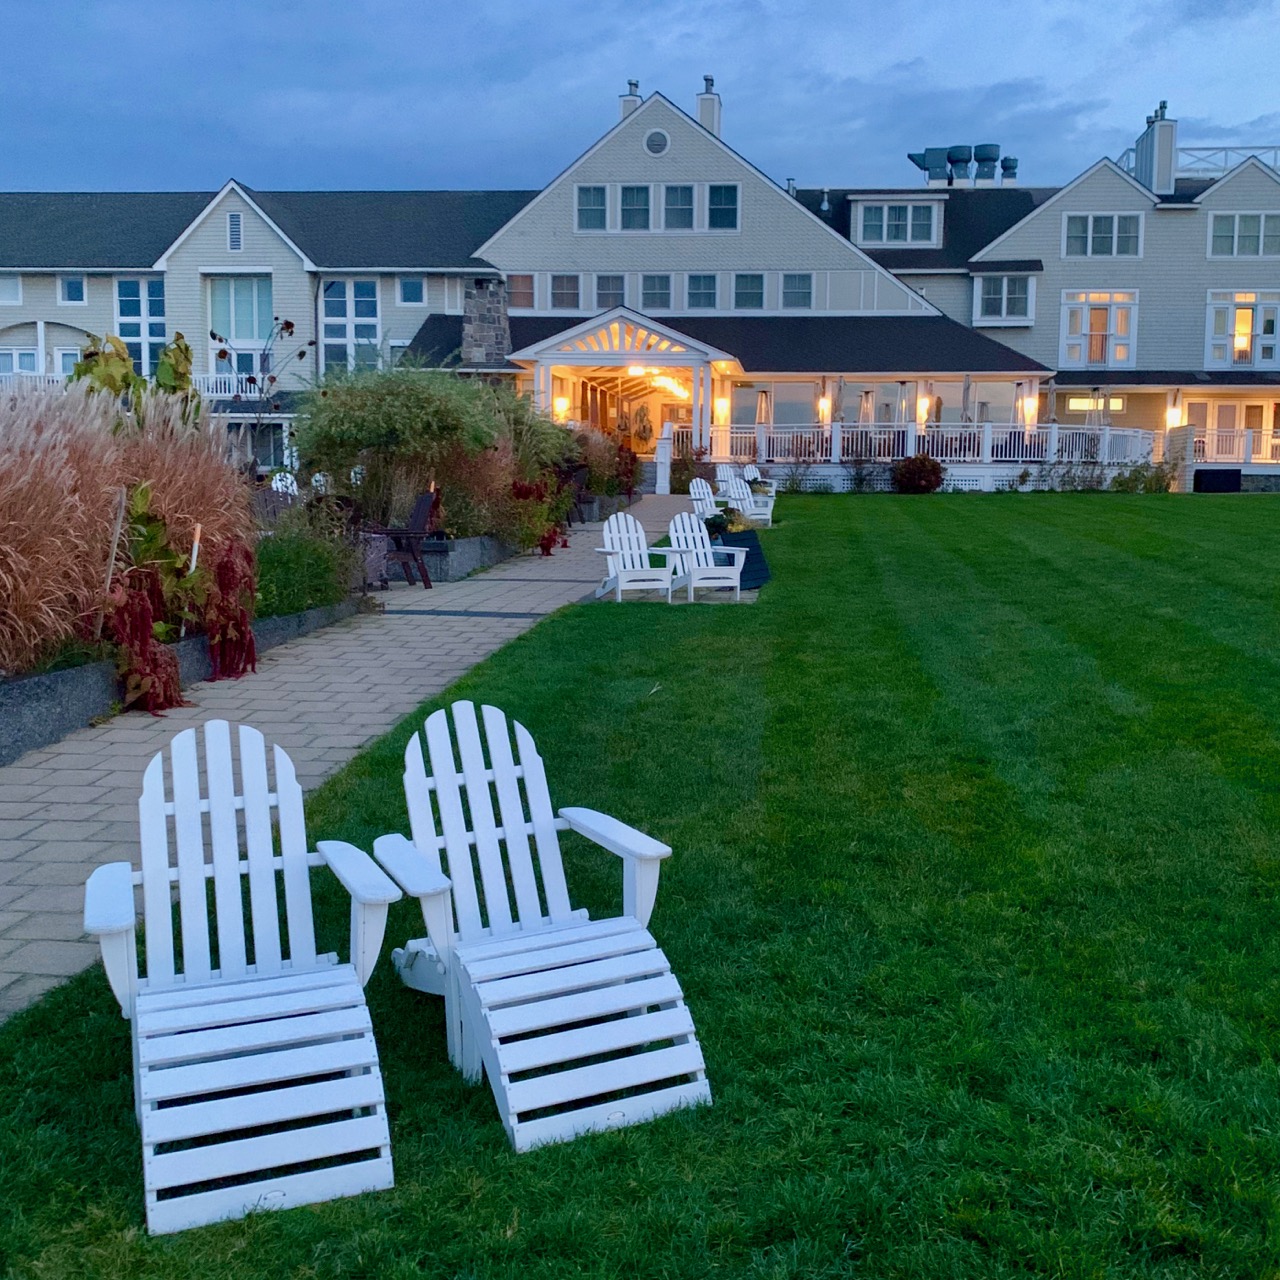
pixel 952 444
pixel 31 379
pixel 225 385
pixel 1233 446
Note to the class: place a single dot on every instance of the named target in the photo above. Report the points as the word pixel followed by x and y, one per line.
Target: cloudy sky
pixel 138 94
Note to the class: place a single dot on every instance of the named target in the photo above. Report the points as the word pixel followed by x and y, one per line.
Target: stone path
pixel 70 807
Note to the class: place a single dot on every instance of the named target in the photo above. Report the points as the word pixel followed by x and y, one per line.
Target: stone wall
pixel 486 332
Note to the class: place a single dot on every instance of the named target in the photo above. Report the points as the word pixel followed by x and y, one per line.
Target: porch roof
pixel 616 337
pixel 1206 378
pixel 817 343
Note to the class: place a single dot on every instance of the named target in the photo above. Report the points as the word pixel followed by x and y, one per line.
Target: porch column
pixel 542 387
pixel 702 409
pixel 40 356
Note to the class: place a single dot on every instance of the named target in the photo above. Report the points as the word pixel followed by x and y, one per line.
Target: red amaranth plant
pixel 226 616
pixel 149 668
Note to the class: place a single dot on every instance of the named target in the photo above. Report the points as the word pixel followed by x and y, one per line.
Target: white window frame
pixel 910 205
pixel 1004 320
pixel 782 290
pixel 532 277
pixel 692 188
pixel 1266 306
pixel 1104 403
pixel 617 275
pixel 144 320
pixel 16 353
pixel 645 304
pixel 764 290
pixel 1128 300
pixel 12 302
pixel 84 289
pixel 551 290
pixel 1115 235
pixel 59 353
pixel 235 231
pixel 736 229
pixel 648 228
pixel 688 291
pixel 578 188
pixel 350 321
pixel 1235 215
pixel 400 298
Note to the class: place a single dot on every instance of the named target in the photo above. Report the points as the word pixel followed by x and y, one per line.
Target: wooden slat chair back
pixel 578 1024
pixel 725 472
pixel 755 506
pixel 701 564
pixel 689 534
pixel 626 543
pixel 628 559
pixel 751 474
pixel 256 1078
pixel 704 500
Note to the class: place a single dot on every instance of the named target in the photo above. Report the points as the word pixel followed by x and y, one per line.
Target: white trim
pixel 58 353
pixel 162 262
pixel 860 203
pixel 84 289
pixel 1249 162
pixel 1236 214
pixel 1003 321
pixel 865 261
pixel 399 291
pixel 694 351
pixel 1114 214
pixel 578 188
pixel 1109 165
pixel 236 269
pixel 644 143
pixel 664 187
pixel 1131 338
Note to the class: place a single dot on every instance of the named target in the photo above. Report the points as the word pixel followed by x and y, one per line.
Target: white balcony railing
pixel 223 386
pixel 31 379
pixel 1207 162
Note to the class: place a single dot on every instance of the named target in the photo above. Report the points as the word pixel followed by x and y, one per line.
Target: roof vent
pixel 985 154
pixel 825 206
pixel 1008 171
pixel 933 161
pixel 791 186
pixel 958 158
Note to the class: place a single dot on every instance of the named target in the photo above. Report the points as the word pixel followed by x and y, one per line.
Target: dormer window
pixel 897 224
pixel 234 242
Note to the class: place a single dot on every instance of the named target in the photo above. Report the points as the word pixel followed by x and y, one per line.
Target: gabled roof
pixel 971 219
pixel 1249 162
pixel 620 336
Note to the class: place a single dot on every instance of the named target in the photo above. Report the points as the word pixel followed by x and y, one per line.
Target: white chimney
pixel 630 100
pixel 1156 153
pixel 709 106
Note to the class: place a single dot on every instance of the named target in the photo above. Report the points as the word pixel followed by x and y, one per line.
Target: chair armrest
pixel 613 835
pixel 108 900
pixel 738 553
pixel 361 877
pixel 409 868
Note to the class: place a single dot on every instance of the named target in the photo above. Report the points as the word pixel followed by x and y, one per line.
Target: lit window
pixel 71 290
pixel 564 293
pixel 797 291
pixel 611 292
pixel 1102 235
pixel 1242 329
pixel 591 209
pixel 702 291
pixel 748 292
pixel 520 291
pixel 722 207
pixel 655 293
pixel 1098 329
pixel 635 208
pixel 678 210
pixel 411 291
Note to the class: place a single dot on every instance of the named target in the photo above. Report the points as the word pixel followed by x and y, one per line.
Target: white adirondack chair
pixel 628 567
pixel 698 567
pixel 579 1024
pixel 751 474
pixel 725 473
pixel 256 1077
pixel 757 507
pixel 705 503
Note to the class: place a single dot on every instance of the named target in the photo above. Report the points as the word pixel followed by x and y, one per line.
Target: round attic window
pixel 656 142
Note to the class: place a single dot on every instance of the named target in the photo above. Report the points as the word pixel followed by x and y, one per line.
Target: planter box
pixel 38 710
pixel 456 558
pixel 755 570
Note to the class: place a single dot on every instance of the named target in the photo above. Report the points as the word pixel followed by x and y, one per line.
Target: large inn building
pixel 662 280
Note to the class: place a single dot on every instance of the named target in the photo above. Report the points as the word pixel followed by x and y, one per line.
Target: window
pixel 10 291
pixel 65 360
pixel 592 210
pixel 655 293
pixel 1245 235
pixel 1095 404
pixel 748 292
pixel 350 338
pixel 611 291
pixel 520 291
pixel 635 208
pixel 1003 298
pixel 136 306
pixel 797 291
pixel 17 360
pixel 1241 329
pixel 1102 235
pixel 722 207
pixel 678 211
pixel 71 292
pixel 656 142
pixel 702 291
pixel 564 293
pixel 264 442
pixel 1098 329
pixel 412 293
pixel 234 242
pixel 897 224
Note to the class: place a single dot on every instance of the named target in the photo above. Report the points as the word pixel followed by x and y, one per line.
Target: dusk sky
pixel 136 95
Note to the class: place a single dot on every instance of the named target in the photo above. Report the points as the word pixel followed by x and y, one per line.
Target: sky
pixel 421 94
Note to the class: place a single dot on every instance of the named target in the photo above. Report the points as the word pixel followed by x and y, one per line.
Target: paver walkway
pixel 70 807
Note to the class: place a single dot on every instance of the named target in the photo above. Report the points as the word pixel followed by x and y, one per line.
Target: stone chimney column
pixel 709 106
pixel 486 330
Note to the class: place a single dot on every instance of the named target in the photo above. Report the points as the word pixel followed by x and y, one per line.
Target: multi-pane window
pixel 564 293
pixel 1004 298
pixel 71 291
pixel 351 335
pixel 655 292
pixel 678 209
pixel 1102 235
pixel 17 360
pixel 897 224
pixel 412 293
pixel 635 208
pixel 797 290
pixel 140 321
pixel 520 291
pixel 1242 329
pixel 1098 329
pixel 722 207
pixel 702 291
pixel 1245 235
pixel 748 291
pixel 611 291
pixel 592 209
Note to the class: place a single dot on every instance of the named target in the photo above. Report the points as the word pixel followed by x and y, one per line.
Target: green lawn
pixel 976 818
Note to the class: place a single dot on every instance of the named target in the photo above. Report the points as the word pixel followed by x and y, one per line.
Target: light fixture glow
pixel 1173 416
pixel 721 410
pixel 824 409
pixel 560 407
pixel 923 405
pixel 1030 409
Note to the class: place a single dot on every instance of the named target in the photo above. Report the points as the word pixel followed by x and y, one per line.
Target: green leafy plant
pixel 690 466
pixel 920 474
pixel 1146 477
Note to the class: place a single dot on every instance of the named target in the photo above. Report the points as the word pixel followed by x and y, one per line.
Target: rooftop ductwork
pixel 986 155
pixel 959 158
pixel 1008 171
pixel 950 166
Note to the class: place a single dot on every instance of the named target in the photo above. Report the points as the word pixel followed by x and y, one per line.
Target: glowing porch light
pixel 824 409
pixel 1173 416
pixel 1030 410
pixel 923 405
pixel 560 408
pixel 721 406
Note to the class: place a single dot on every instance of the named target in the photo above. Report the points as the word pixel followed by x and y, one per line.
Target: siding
pixel 952 295
pixel 65 326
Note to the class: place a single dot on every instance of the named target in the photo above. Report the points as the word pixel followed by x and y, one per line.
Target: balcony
pixel 1207 162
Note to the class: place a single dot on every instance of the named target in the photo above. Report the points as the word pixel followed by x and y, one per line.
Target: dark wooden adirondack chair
pixel 406 543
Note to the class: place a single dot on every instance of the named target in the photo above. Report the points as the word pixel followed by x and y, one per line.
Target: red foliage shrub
pixel 226 616
pixel 921 474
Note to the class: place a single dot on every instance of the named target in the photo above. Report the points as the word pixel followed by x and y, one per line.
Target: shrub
pixel 690 466
pixel 1146 477
pixel 921 474
pixel 599 454
pixel 302 564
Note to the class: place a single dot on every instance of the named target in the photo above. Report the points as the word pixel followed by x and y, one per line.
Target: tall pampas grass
pixel 64 457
